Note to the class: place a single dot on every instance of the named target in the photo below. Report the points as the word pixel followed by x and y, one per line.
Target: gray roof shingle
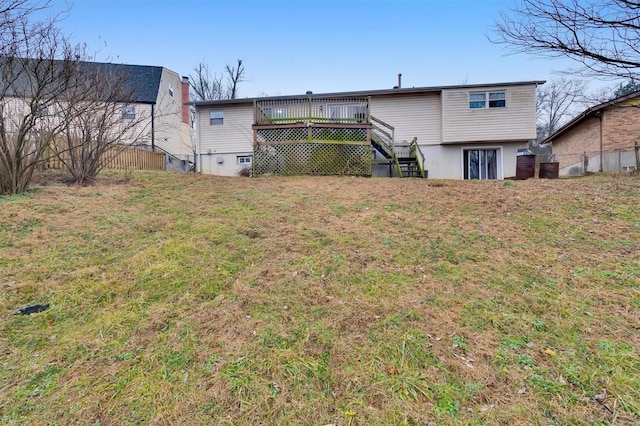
pixel 143 81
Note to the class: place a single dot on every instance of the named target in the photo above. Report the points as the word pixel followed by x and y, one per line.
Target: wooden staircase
pixel 407 158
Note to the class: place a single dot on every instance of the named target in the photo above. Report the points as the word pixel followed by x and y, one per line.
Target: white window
pixel 129 112
pixel 480 100
pixel 170 90
pixel 244 160
pixel 42 110
pixel 216 118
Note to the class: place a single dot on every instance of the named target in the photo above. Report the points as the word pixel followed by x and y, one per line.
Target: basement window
pixel 483 100
pixel 216 118
pixel 244 160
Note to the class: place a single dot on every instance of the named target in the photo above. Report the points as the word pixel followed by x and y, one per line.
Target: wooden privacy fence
pixel 122 158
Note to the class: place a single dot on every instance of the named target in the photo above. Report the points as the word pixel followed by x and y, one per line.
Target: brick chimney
pixel 186 109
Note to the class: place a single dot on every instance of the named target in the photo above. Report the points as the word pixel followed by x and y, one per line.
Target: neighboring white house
pixel 463 132
pixel 156 105
pixel 161 96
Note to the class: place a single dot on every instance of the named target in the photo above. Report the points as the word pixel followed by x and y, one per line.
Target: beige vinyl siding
pixel 234 135
pixel 141 132
pixel 517 121
pixel 222 164
pixel 411 116
pixel 446 161
pixel 171 133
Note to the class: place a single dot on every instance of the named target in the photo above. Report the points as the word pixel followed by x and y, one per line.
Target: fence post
pixel 619 160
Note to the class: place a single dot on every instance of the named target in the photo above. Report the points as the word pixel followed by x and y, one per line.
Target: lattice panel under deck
pixel 338 134
pixel 282 134
pixel 312 159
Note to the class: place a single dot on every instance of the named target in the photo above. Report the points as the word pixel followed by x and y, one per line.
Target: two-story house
pixel 160 97
pixel 155 100
pixel 447 132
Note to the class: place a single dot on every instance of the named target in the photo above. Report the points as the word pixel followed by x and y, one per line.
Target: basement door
pixel 480 163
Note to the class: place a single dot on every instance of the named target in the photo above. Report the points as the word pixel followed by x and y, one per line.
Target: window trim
pixel 242 160
pixel 42 110
pixel 499 158
pixel 129 112
pixel 216 118
pixel 487 99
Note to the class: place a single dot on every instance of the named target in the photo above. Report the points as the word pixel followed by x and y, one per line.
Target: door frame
pixel 499 165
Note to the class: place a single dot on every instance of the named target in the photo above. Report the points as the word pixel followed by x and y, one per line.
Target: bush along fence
pixel 122 158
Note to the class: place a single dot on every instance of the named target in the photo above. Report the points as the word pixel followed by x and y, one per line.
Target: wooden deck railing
pixel 311 110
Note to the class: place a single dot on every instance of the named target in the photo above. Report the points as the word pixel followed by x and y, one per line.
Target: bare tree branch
pixel 557 102
pixel 235 75
pixel 205 85
pixel 601 36
pixel 100 119
pixel 37 65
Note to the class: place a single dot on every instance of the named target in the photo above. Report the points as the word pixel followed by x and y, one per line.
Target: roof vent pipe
pixel 399 81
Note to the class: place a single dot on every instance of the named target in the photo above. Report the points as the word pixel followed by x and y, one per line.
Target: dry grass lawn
pixel 185 299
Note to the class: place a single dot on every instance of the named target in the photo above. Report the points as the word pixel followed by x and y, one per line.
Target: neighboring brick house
pixel 601 139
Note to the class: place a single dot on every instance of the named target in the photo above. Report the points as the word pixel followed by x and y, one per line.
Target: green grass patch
pixel 186 299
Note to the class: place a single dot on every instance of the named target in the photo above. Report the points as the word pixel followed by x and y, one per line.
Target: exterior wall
pixel 446 161
pixel 411 116
pixel 620 127
pixel 620 130
pixel 436 119
pixel 141 133
pixel 516 121
pixel 620 133
pixel 222 164
pixel 171 133
pixel 233 136
pixel 14 109
pixel 569 146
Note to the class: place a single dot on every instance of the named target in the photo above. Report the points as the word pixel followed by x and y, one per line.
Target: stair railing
pixel 385 131
pixel 416 152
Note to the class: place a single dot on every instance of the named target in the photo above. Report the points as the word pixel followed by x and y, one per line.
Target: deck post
pixel 255 111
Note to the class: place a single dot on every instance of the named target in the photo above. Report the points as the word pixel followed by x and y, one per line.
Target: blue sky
pixel 291 46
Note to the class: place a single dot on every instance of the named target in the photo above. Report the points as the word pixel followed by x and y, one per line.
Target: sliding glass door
pixel 480 163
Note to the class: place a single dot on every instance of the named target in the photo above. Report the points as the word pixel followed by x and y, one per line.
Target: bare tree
pixel 205 85
pixel 37 64
pixel 601 36
pixel 558 101
pixel 100 120
pixel 235 75
pixel 208 86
